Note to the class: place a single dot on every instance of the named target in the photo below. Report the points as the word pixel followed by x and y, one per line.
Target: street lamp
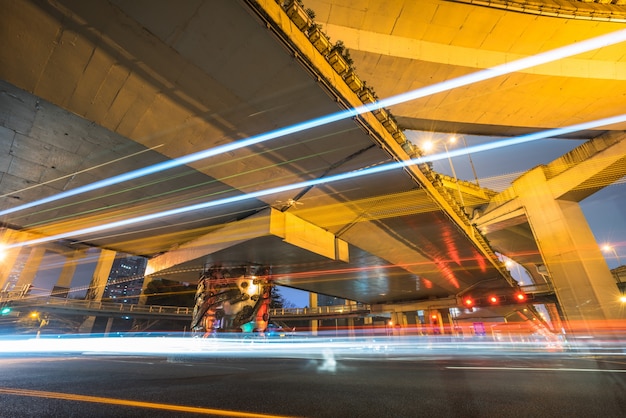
pixel 428 145
pixel 609 248
pixel 471 162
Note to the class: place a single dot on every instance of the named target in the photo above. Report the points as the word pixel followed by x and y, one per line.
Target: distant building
pixel 125 279
pixel 324 300
pixel 619 274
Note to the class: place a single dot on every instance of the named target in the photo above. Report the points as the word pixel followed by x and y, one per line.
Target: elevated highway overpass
pixel 110 87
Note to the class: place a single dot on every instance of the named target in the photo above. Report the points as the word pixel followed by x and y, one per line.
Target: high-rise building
pixel 125 279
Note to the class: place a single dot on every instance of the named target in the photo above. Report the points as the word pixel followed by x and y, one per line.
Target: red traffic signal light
pixel 468 302
pixel 520 297
pixel 493 299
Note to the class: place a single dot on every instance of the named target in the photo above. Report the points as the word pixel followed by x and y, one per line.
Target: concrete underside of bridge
pixel 402 45
pixel 108 87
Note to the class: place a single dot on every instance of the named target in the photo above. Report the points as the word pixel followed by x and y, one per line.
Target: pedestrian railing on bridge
pixel 98 308
pixel 321 312
pixel 538 289
pixel 91 307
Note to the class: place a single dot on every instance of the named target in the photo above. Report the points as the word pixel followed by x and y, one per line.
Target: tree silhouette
pixel 169 293
pixel 278 300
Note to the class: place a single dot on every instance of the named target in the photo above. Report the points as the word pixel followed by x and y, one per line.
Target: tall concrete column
pixel 69 268
pixel 555 318
pixel 436 321
pixel 398 323
pixel 313 304
pixel 7 262
pixel 143 298
pixel 101 275
pixel 98 283
pixel 31 267
pixel 351 332
pixel 583 284
pixel 8 258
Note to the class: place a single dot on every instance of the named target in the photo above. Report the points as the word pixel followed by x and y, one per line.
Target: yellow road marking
pixel 124 402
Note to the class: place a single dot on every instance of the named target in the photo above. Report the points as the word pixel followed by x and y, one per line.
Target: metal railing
pixel 537 289
pixel 122 309
pixel 96 307
pixel 321 311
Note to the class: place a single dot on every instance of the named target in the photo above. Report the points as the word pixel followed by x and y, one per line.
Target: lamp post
pixel 607 248
pixel 471 162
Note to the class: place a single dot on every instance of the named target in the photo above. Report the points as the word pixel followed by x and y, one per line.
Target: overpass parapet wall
pixel 582 153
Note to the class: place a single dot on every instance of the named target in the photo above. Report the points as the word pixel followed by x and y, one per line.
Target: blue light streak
pixel 325 180
pixel 517 65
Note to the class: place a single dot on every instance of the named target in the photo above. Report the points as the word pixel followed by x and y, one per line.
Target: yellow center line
pixel 124 402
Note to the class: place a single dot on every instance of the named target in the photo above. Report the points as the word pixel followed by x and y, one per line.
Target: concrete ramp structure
pixel 538 222
pixel 198 133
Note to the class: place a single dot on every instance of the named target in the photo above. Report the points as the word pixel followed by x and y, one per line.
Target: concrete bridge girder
pixel 541 199
pixel 127 60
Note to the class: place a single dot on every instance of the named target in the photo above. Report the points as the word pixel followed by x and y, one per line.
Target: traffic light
pixel 468 302
pixel 5 311
pixel 502 297
pixel 493 299
pixel 519 297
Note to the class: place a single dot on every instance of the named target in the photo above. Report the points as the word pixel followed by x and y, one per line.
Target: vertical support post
pixel 143 298
pixel 97 285
pixel 313 304
pixel 582 281
pixel 436 321
pixel 107 330
pixel 31 268
pixel 7 263
pixel 351 332
pixel 69 268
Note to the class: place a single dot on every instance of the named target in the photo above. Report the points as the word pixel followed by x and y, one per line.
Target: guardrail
pixel 537 289
pixel 95 307
pixel 321 311
pixel 122 309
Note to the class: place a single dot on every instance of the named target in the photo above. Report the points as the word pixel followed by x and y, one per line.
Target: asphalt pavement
pixel 381 382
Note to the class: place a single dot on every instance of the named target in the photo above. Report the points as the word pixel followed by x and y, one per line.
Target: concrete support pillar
pixel 100 275
pixel 69 268
pixel 555 317
pixel 583 284
pixel 435 320
pixel 143 298
pixel 109 325
pixel 7 263
pixel 98 283
pixel 31 267
pixel 411 321
pixel 397 322
pixel 313 304
pixel 351 327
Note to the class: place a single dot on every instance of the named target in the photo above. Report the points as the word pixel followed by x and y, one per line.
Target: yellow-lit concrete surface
pixel 108 87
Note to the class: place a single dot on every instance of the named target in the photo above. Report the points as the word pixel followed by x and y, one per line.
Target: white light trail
pixel 535 369
pixel 506 68
pixel 325 180
pixel 327 348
